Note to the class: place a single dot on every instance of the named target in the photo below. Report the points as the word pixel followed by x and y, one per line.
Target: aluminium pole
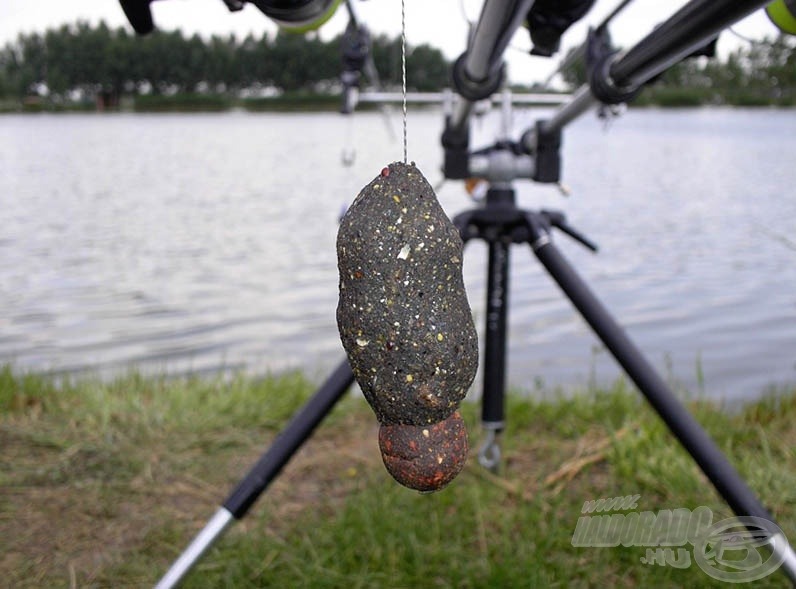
pixel 264 471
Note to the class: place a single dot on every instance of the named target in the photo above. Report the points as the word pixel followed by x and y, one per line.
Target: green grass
pixel 181 103
pixel 104 484
pixel 293 101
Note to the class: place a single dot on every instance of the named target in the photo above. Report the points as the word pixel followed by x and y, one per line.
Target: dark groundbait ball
pixel 406 325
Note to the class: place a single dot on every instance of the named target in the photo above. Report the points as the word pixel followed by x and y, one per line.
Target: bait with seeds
pixel 403 314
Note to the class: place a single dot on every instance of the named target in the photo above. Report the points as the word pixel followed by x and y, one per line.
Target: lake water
pixel 203 243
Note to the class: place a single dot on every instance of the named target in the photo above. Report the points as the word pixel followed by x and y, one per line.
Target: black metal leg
pixel 682 424
pixel 264 471
pixel 493 401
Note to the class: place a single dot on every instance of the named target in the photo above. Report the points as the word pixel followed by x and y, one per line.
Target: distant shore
pixel 185 103
pixel 303 102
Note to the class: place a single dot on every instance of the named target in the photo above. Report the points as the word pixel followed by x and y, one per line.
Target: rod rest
pixel 548 154
pixel 476 89
pixel 603 86
pixel 502 220
pixel 455 142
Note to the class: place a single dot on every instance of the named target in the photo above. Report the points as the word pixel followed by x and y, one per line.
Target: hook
pixel 489 453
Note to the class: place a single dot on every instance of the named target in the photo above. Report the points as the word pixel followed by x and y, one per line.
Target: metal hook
pixel 489 453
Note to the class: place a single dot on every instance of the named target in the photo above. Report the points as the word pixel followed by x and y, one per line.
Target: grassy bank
pixel 102 485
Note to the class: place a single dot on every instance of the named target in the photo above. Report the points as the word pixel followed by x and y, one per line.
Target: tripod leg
pixel 264 471
pixel 493 402
pixel 682 424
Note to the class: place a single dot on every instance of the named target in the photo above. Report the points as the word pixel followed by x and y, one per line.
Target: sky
pixel 441 23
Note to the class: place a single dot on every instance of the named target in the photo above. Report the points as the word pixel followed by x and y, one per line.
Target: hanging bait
pixel 406 325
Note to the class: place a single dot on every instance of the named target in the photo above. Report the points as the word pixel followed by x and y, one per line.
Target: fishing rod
pixel 579 53
pixel 298 16
pixel 357 57
pixel 619 77
pixel 479 71
pixel 614 79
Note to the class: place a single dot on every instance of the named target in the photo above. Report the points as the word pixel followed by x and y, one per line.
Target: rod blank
pixel 694 25
pixel 684 32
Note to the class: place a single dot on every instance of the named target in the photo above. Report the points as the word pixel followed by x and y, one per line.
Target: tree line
pixel 88 60
pixel 83 61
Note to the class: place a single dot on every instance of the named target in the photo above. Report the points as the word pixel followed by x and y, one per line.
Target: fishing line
pixel 753 42
pixel 403 70
pixel 414 356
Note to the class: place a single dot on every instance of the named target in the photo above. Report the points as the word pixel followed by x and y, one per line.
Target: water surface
pixel 200 243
